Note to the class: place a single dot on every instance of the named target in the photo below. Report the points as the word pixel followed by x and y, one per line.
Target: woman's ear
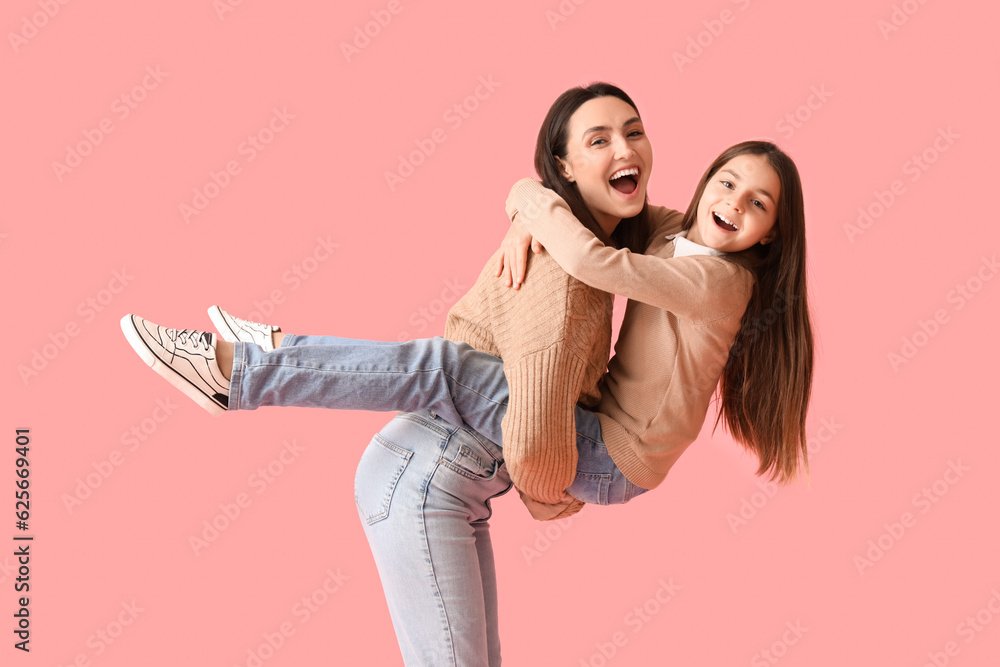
pixel 564 169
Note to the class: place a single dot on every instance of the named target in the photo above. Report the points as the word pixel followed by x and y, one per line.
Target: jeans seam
pixel 418 418
pixel 236 378
pixel 410 371
pixel 472 390
pixel 426 542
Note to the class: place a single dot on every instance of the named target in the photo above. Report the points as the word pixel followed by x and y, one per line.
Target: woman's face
pixel 739 206
pixel 609 157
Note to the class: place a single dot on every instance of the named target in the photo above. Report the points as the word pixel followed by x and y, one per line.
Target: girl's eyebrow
pixel 737 177
pixel 605 128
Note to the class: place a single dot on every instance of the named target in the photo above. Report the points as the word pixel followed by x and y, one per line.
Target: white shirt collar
pixel 683 247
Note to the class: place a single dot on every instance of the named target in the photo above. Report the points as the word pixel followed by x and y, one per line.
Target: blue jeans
pixel 424 484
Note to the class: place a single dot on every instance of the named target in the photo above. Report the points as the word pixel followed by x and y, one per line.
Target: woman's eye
pixel 636 133
pixel 597 141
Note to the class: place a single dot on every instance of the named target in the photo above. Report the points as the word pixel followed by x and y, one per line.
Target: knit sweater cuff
pixel 539 429
pixel 527 194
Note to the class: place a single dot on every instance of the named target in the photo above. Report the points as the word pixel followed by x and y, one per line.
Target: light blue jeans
pixel 424 484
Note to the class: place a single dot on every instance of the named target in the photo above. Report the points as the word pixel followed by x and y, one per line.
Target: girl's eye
pixel 727 184
pixel 759 204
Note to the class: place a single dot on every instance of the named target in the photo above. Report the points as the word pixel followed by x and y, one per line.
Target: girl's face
pixel 609 158
pixel 739 206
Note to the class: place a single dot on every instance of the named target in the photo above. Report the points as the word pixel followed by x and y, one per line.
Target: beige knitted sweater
pixel 554 336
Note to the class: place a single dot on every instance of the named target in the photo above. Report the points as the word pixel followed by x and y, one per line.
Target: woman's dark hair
pixel 767 380
pixel 632 233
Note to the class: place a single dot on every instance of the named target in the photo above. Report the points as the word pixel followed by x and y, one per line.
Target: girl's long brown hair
pixel 766 382
pixel 632 233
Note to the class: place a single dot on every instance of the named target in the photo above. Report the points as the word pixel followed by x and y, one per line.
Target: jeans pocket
pixel 632 490
pixel 472 464
pixel 590 487
pixel 379 470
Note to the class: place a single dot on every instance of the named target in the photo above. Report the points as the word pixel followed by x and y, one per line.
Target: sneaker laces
pixel 190 337
pixel 266 327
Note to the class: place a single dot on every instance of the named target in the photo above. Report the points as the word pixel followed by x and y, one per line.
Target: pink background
pixel 882 432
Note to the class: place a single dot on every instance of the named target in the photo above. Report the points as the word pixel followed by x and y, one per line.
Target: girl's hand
pixel 512 264
pixel 546 512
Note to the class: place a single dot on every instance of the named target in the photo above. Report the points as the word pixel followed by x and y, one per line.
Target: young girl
pixel 674 345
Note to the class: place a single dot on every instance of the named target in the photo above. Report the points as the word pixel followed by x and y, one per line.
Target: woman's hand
pixel 513 263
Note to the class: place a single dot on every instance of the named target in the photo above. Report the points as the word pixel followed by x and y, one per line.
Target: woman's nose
pixel 623 148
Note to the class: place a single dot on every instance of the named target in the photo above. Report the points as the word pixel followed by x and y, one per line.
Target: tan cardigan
pixel 682 317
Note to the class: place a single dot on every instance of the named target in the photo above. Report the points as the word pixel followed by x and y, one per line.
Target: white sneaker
pixel 184 357
pixel 233 329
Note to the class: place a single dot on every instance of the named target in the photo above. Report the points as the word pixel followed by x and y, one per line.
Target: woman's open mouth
pixel 723 223
pixel 625 181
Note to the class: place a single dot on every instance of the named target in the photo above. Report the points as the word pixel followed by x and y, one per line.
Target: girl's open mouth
pixel 722 223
